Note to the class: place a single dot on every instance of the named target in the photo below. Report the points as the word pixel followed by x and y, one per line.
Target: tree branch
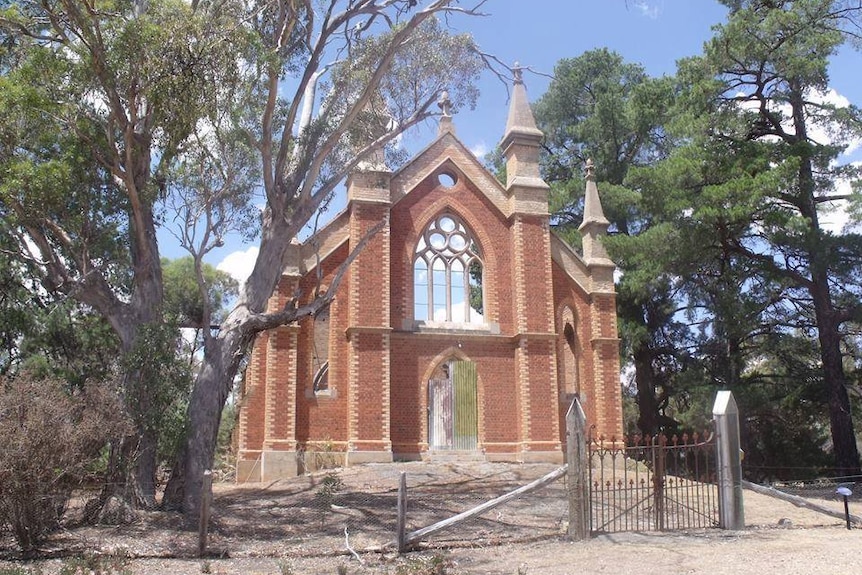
pixel 291 313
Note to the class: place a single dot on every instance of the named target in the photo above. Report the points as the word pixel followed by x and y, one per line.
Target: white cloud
pixel 479 150
pixel 833 216
pixel 818 130
pixel 649 9
pixel 239 264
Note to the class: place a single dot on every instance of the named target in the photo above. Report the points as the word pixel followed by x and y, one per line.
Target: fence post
pixel 578 483
pixel 659 459
pixel 401 522
pixel 203 526
pixel 726 416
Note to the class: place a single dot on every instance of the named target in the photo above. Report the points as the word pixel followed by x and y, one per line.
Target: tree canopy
pixel 119 119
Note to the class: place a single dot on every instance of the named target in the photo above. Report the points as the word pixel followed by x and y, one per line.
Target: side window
pixel 568 354
pixel 320 352
pixel 447 274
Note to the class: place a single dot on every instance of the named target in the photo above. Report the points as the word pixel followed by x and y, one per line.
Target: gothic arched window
pixel 447 274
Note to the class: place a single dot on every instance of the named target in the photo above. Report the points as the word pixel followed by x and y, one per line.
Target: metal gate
pixel 452 409
pixel 653 483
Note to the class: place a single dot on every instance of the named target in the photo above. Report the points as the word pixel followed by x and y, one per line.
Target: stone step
pixel 455 455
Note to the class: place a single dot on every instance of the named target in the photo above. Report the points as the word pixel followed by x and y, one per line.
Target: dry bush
pixel 50 436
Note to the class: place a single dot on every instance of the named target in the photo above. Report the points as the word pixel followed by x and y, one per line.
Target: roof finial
pixel 445 103
pixel 517 74
pixel 445 124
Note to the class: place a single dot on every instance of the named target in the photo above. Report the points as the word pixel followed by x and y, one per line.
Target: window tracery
pixel 447 274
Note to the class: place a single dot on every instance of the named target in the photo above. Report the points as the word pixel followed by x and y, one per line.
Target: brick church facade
pixel 462 329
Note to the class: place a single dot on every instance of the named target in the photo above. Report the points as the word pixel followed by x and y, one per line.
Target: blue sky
pixel 538 33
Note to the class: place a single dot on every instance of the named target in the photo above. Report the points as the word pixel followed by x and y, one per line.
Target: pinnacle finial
pixel 590 169
pixel 517 73
pixel 445 103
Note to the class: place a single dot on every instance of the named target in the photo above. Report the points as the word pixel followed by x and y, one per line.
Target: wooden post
pixel 659 445
pixel 800 502
pixel 726 415
pixel 206 498
pixel 401 527
pixel 578 482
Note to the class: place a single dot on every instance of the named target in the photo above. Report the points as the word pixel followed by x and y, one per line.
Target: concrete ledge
pixel 314 460
pixel 359 457
pixel 503 457
pixel 248 471
pixel 401 456
pixel 542 457
pixel 278 465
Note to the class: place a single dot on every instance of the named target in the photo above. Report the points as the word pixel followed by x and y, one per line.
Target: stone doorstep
pixel 455 455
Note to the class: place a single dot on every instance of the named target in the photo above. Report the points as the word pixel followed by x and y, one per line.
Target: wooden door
pixel 452 409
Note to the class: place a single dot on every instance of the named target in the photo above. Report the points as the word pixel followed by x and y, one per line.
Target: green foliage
pixel 117 563
pixel 330 485
pixel 601 108
pixel 225 457
pixel 738 201
pixel 183 302
pixel 435 564
pixel 50 436
pixel 157 387
pixel 714 186
pixel 433 60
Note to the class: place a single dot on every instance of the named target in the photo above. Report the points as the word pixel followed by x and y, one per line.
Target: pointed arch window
pixel 447 274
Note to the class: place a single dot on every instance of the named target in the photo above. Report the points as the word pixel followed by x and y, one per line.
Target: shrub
pixel 50 438
pixel 116 563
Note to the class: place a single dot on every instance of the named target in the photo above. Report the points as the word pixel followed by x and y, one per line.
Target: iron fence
pixel 645 483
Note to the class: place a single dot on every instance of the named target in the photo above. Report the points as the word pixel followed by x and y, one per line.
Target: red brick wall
pixel 415 356
pixel 412 215
pixel 367 340
pixel 324 417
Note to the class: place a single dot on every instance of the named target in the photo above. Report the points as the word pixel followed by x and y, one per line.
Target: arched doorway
pixel 453 422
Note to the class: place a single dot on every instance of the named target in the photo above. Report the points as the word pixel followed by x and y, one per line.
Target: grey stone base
pixel 278 465
pixel 248 471
pixel 358 457
pixel 542 457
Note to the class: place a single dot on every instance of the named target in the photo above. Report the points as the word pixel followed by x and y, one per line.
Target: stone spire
pixel 445 105
pixel 595 223
pixel 520 123
pixel 521 145
pixel 593 213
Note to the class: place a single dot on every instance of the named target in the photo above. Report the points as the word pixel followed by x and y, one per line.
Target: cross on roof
pixel 445 103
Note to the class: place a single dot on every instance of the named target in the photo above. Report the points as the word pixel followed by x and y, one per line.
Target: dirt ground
pixel 297 527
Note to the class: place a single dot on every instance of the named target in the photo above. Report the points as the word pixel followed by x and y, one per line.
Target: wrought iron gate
pixel 653 483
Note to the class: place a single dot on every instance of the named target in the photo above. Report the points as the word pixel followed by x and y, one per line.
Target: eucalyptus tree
pixel 99 99
pixel 367 71
pixel 764 159
pixel 114 105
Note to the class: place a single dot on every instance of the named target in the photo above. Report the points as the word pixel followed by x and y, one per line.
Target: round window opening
pixel 446 179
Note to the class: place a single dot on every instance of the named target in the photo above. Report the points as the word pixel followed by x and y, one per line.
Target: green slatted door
pixel 453 421
pixel 465 408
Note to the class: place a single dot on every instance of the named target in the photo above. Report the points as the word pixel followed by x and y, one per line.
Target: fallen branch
pixel 420 534
pixel 798 501
pixel 349 548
